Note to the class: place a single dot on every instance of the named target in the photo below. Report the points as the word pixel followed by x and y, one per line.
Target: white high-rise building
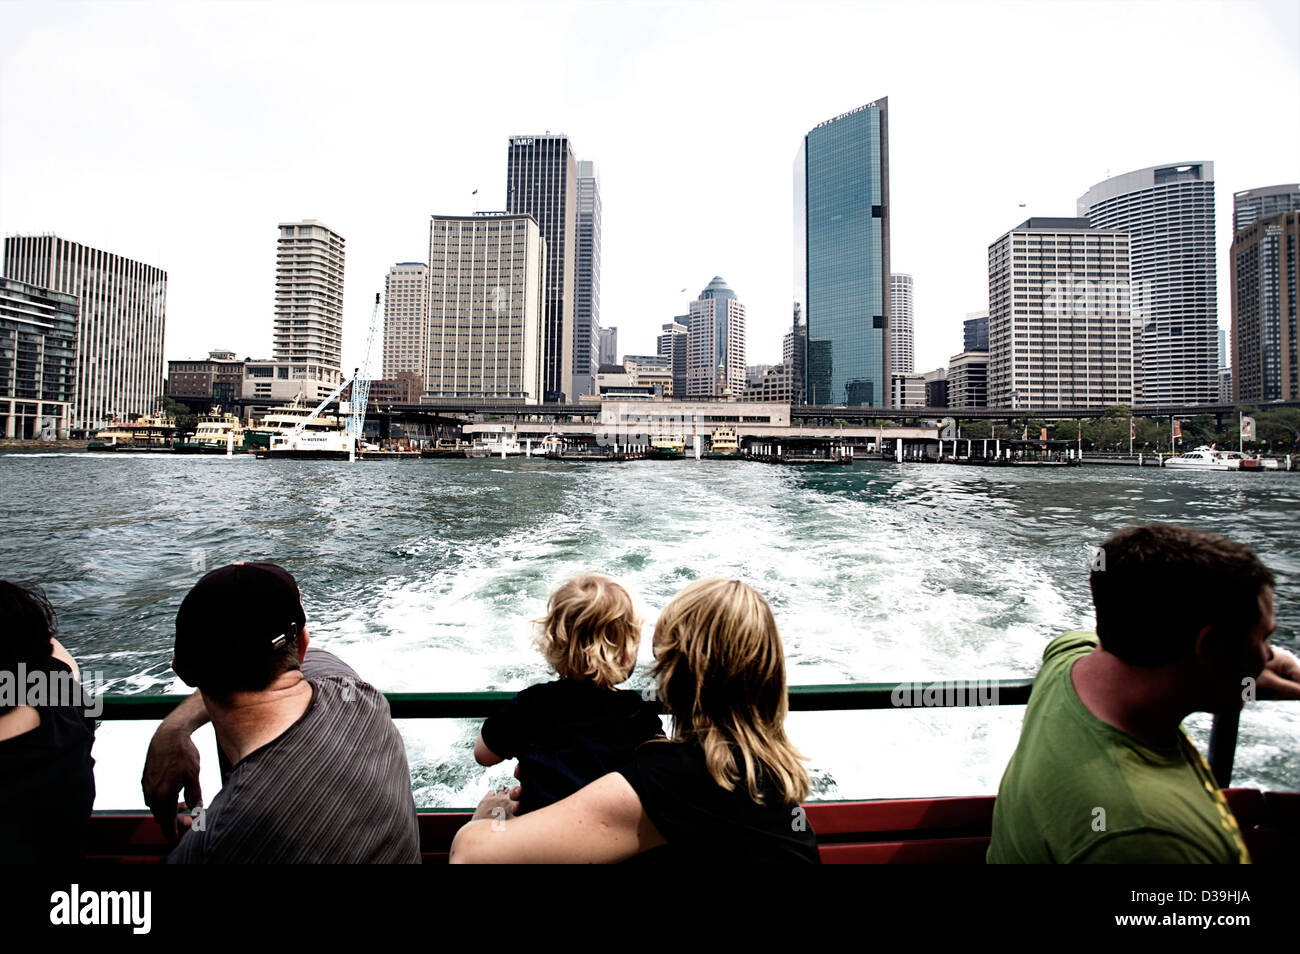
pixel 902 348
pixel 487 276
pixel 1060 331
pixel 1168 213
pixel 122 306
pixel 406 318
pixel 715 350
pixel 308 332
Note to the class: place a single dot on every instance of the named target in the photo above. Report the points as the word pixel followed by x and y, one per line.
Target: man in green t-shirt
pixel 1103 771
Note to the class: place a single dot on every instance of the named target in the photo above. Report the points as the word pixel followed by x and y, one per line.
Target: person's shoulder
pixel 322 664
pixel 1144 846
pixel 1077 642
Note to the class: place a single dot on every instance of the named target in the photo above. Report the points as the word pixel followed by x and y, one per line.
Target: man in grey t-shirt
pixel 318 770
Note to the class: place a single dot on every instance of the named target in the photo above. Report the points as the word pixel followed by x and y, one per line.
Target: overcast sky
pixel 182 133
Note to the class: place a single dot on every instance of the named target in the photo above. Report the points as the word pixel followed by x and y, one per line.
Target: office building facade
pixel 902 351
pixel 1168 213
pixel 586 282
pixel 38 361
pixel 406 319
pixel 487 286
pixel 1265 356
pixel 794 351
pixel 308 334
pixel 968 374
pixel 122 307
pixel 715 351
pixel 608 346
pixel 1060 330
pixel 975 331
pixel 542 181
pixel 673 344
pixel 936 388
pixel 908 390
pixel 1251 205
pixel 842 257
pixel 217 380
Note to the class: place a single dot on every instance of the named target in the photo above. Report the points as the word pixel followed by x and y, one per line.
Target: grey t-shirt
pixel 333 788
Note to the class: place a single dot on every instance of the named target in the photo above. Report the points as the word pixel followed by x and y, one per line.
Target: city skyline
pixel 222 131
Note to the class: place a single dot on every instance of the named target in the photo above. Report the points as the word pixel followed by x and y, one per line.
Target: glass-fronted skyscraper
pixel 841 186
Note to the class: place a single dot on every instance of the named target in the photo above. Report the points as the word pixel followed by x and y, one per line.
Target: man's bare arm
pixel 172 766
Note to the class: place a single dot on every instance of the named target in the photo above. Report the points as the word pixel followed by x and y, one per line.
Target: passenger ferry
pixel 724 445
pixel 214 434
pixel 283 420
pixel 667 447
pixel 149 434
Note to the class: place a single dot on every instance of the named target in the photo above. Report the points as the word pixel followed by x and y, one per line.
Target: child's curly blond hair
pixel 590 631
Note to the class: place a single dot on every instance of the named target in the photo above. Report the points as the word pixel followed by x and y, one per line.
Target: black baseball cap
pixel 233 626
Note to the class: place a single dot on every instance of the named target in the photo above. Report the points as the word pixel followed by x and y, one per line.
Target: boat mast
pixel 361 384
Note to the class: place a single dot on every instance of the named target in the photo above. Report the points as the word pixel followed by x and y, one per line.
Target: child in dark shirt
pixel 570 732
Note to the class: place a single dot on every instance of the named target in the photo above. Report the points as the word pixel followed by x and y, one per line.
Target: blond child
pixel 575 729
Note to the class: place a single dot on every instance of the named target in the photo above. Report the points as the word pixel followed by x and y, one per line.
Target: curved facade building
pixel 1168 213
pixel 841 186
pixel 715 350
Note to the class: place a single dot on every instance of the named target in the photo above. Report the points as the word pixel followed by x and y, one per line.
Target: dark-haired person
pixel 47 780
pixel 725 787
pixel 1103 771
pixel 318 770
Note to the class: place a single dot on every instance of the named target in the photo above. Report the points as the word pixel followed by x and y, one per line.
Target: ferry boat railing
pixel 850 696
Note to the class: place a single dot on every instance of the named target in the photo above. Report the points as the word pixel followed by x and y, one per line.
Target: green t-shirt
pixel 1080 790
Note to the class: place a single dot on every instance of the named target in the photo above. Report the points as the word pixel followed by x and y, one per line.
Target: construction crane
pixel 361 381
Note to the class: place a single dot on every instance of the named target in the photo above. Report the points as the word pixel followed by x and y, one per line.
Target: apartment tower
pixel 308 333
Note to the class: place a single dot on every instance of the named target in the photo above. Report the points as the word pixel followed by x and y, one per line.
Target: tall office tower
pixel 487 280
pixel 1168 212
pixel 309 301
pixel 841 199
pixel 1060 330
pixel 542 181
pixel 715 351
pixel 1264 292
pixel 121 312
pixel 975 331
pixel 674 341
pixel 1223 348
pixel 794 352
pixel 608 345
pixel 1254 204
pixel 38 361
pixel 586 283
pixel 406 319
pixel 901 335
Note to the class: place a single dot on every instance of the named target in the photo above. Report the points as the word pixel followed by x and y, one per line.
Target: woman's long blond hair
pixel 721 672
pixel 590 631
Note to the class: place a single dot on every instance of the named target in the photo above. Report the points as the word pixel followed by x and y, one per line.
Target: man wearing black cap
pixel 318 770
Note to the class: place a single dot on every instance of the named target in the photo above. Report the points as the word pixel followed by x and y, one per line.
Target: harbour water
pixel 424 575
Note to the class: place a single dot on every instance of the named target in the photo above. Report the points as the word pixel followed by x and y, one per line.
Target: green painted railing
pixel 477 705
